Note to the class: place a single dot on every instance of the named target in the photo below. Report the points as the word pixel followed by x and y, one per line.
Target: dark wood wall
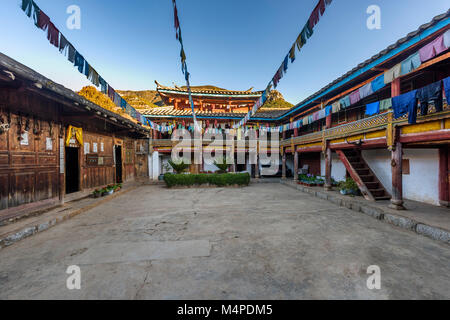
pixel 29 170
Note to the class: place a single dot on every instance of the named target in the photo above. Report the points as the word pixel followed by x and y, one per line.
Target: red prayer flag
pixel 43 21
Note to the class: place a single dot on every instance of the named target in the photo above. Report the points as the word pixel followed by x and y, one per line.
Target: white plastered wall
pixel 422 184
pixel 338 170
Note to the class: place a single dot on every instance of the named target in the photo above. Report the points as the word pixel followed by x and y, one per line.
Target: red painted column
pixel 396 160
pixel 395 88
pixel 397 178
pixel 444 170
pixel 283 168
pixel 295 132
pixel 328 121
pixel 328 184
pixel 295 164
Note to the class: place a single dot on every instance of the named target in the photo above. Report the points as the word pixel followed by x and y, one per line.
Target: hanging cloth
pixel 306 33
pixel 336 107
pixel 103 85
pixel 392 74
pixel 432 92
pixel 292 53
pixel 87 67
pixel 43 21
pixel 345 102
pixel 406 103
pixel 71 53
pixel 365 91
pixel 447 39
pixel 53 34
pixel 63 43
pixel 378 83
pixel 93 76
pixel 285 63
pixel 123 104
pixel 411 63
pixel 385 104
pixel 354 97
pixel 446 82
pixel 328 110
pixel 111 93
pixel 79 61
pixel 322 114
pixel 373 108
pixel 432 49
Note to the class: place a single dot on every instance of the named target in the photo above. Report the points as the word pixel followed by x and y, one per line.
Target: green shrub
pixel 220 180
pixel 222 165
pixel 348 184
pixel 178 167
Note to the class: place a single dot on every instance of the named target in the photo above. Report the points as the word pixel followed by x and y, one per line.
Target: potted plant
pixel 348 187
pixel 97 193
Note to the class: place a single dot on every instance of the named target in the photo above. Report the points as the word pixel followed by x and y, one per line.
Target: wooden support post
pixel 283 168
pixel 295 164
pixel 328 122
pixel 444 176
pixel 395 88
pixel 295 132
pixel 328 185
pixel 397 178
pixel 257 167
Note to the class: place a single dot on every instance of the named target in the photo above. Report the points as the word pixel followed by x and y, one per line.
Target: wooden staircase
pixel 371 188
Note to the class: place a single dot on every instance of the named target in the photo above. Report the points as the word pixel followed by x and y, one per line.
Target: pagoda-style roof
pixel 209 91
pixel 171 112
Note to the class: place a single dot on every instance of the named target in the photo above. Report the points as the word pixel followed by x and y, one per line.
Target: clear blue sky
pixel 234 44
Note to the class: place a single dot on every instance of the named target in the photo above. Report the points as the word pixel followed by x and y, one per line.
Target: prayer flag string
pixel 305 34
pixel 57 39
pixel 184 68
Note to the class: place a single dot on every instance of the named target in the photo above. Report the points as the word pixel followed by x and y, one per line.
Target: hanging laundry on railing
pixel 446 82
pixel 432 92
pixel 354 97
pixel 336 107
pixel 385 104
pixel 372 108
pixel 392 74
pixel 432 49
pixel 411 63
pixel 378 83
pixel 406 104
pixel 447 39
pixel 365 91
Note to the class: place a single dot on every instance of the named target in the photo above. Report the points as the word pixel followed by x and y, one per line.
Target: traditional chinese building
pixel 386 123
pixel 216 110
pixel 55 145
pixel 350 128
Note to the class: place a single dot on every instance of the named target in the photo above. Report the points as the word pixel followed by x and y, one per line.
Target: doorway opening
pixel 118 157
pixel 72 170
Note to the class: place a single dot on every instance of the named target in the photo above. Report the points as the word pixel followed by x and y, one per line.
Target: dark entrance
pixel 72 170
pixel 118 157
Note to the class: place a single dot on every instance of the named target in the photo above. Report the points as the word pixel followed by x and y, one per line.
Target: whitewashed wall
pixel 422 184
pixel 338 170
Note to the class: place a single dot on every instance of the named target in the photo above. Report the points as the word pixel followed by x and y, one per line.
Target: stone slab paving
pixel 266 241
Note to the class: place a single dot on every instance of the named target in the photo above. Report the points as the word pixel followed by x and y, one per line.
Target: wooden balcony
pixel 379 126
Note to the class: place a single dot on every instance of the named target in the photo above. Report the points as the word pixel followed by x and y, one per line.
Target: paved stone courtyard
pixel 266 241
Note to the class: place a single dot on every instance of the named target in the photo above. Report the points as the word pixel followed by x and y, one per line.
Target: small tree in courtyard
pixel 178 167
pixel 222 165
